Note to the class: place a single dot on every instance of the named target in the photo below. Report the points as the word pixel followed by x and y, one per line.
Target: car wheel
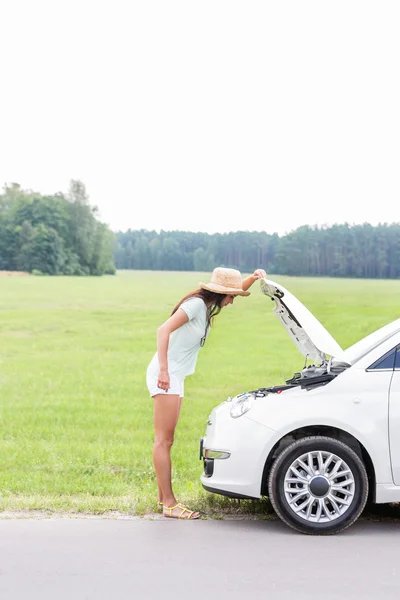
pixel 318 485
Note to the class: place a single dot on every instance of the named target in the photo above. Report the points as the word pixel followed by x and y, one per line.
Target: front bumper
pixel 209 456
pixel 234 452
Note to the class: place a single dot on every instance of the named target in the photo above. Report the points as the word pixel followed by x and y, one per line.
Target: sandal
pixel 182 515
pixel 159 505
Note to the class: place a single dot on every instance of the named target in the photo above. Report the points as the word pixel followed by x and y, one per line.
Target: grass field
pixel 76 419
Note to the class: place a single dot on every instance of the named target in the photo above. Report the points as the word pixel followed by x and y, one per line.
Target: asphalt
pixel 96 559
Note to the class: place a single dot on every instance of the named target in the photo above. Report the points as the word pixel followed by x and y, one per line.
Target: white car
pixel 322 444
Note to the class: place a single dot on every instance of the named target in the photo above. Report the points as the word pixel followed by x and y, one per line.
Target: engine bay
pixel 310 377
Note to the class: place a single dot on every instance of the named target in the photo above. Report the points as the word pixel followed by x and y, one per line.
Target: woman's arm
pixel 163 332
pixel 248 282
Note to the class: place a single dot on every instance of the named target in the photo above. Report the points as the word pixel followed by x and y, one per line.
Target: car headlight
pixel 241 404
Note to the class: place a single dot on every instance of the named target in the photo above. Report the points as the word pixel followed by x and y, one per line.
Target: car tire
pixel 318 485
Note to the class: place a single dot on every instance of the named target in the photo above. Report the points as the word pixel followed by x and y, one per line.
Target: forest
pixel 62 234
pixel 338 251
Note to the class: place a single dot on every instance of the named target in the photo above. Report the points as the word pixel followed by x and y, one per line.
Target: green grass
pixel 76 419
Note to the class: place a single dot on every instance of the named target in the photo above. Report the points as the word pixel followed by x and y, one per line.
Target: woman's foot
pixel 159 505
pixel 180 512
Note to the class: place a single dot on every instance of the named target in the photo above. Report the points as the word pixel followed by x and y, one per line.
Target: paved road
pixel 94 559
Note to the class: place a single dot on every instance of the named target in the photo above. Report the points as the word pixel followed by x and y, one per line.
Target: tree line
pixel 338 251
pixel 53 235
pixel 61 234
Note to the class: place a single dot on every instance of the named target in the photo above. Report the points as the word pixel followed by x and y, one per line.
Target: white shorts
pixel 176 385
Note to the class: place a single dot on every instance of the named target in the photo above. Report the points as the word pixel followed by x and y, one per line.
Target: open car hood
pixel 310 337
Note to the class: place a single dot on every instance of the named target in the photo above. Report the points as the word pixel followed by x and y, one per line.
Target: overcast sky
pixel 214 115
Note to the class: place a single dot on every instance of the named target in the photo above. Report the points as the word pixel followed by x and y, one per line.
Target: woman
pixel 178 342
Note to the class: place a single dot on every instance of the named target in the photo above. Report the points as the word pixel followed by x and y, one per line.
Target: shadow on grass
pixel 382 512
pixel 220 507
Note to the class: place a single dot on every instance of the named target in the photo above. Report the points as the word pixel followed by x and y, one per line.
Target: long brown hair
pixel 212 300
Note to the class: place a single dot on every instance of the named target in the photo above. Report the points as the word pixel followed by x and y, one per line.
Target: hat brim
pixel 220 289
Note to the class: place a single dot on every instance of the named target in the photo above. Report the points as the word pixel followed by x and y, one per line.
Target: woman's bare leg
pixel 166 414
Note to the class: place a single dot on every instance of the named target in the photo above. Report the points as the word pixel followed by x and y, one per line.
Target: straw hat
pixel 225 281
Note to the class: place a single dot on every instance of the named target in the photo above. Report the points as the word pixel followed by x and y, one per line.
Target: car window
pixel 385 362
pixel 397 359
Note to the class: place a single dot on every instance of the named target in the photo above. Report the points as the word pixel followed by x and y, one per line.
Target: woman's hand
pixel 248 282
pixel 163 380
pixel 259 274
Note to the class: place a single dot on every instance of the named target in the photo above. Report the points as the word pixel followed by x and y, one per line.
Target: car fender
pixel 377 447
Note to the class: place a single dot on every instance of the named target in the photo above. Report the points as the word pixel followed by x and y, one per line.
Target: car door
pixel 394 418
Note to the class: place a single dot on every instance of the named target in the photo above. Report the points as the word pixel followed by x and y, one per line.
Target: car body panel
pixel 240 473
pixel 394 425
pixel 307 333
pixel 362 412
